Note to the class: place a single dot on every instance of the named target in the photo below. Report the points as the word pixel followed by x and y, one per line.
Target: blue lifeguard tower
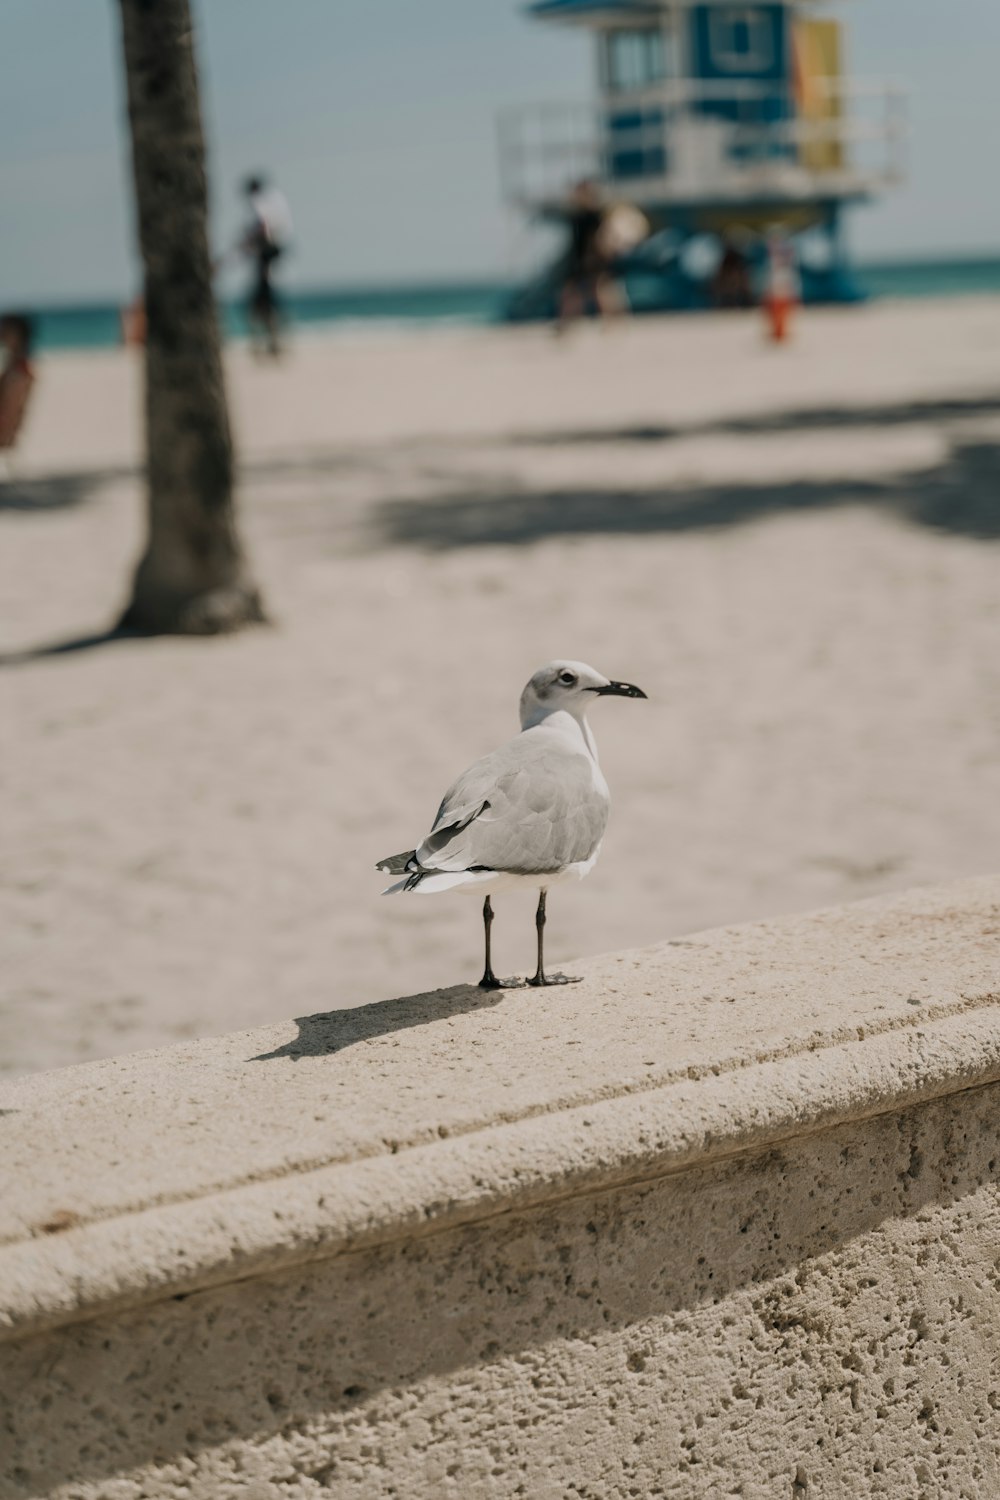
pixel 722 122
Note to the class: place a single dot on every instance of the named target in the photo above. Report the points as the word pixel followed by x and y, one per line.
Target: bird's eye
pixel 567 678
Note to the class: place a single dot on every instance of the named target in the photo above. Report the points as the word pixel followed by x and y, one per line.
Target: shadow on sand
pixel 68 647
pixel 803 419
pixel 960 496
pixel 331 1031
pixel 53 492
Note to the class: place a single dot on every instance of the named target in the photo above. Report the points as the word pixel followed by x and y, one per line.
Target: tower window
pixel 635 59
pixel 741 39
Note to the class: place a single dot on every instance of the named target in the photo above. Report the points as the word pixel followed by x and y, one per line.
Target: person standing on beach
pixel 587 267
pixel 264 240
pixel 17 376
pixel 783 289
pixel 731 285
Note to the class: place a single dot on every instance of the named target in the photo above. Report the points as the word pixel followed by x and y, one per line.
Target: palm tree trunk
pixel 193 576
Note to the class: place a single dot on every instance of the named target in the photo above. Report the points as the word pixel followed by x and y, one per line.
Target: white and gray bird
pixel 532 812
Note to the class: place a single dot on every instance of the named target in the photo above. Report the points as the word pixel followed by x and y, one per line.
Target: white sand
pixel 781 546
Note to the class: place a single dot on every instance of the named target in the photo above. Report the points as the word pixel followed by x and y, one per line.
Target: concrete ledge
pixel 237 1166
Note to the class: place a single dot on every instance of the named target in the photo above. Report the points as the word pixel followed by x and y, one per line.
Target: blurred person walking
pixel 265 240
pixel 17 377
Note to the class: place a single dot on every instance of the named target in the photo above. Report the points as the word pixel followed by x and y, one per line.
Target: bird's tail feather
pixel 396 863
pixel 426 882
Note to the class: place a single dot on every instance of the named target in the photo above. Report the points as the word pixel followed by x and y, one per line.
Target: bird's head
pixel 570 686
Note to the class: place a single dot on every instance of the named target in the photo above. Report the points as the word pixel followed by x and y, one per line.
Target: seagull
pixel 532 812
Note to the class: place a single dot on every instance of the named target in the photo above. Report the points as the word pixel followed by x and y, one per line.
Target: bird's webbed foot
pixel 491 982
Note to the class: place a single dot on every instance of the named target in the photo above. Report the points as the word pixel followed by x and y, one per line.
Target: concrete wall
pixel 721 1220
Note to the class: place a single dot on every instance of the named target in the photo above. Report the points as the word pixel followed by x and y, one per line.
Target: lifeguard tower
pixel 717 120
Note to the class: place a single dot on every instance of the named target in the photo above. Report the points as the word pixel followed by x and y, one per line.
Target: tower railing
pixel 691 140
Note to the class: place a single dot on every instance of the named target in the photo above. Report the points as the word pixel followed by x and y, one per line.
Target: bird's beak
pixel 620 690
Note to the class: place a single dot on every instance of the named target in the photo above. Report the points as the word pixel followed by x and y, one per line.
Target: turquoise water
pixel 931 278
pixel 96 327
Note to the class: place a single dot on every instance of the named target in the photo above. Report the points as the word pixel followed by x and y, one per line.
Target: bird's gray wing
pixel 531 807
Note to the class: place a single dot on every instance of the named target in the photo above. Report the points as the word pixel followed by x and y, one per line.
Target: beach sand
pixel 795 551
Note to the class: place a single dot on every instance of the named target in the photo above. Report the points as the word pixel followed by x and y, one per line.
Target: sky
pixel 378 119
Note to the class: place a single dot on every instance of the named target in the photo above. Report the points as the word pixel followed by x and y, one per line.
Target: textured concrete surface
pixel 818 1320
pixel 721 1220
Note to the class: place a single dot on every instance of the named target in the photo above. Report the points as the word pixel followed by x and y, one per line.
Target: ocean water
pixel 930 278
pixel 387 308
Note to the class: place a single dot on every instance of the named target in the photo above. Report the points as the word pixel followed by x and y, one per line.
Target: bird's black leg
pixel 489 980
pixel 540 977
pixel 540 930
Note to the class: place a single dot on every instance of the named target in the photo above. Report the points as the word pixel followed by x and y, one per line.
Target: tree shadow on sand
pixel 802 419
pixel 331 1031
pixel 960 496
pixel 55 492
pixel 68 647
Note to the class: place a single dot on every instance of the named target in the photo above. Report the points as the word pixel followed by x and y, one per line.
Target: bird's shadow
pixel 333 1030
